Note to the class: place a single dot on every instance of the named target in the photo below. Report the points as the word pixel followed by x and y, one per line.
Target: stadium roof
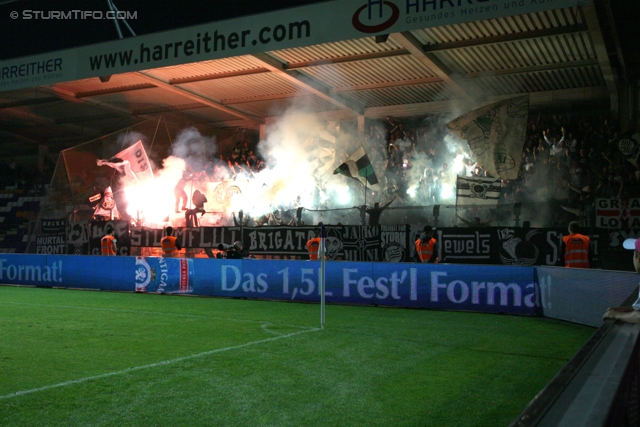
pixel 562 57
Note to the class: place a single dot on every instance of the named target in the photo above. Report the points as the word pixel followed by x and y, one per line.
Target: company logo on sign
pixel 383 8
pixel 144 274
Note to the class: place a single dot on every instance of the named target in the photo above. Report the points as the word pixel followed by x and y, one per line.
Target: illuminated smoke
pixel 301 152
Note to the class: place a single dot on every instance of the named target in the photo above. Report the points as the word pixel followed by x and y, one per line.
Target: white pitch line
pixel 151 365
pixel 115 310
pixel 265 327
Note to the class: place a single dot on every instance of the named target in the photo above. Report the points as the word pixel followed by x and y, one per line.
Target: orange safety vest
pixel 425 250
pixel 576 251
pixel 169 247
pixel 108 245
pixel 313 246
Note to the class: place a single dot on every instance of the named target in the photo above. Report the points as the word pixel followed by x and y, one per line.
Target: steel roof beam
pixel 348 59
pixel 409 42
pixel 600 48
pixel 197 97
pixel 306 83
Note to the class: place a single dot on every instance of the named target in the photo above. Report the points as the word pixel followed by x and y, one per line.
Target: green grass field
pixel 90 358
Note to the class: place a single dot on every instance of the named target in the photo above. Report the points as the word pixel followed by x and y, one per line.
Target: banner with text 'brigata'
pixel 390 243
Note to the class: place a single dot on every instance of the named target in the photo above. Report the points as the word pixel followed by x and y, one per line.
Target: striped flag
pixel 477 191
pixel 358 166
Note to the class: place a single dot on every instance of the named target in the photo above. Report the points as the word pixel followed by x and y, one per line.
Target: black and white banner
pixel 52 237
pixel 380 243
pixel 477 191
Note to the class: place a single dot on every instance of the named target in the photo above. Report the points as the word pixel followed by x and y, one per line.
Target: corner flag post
pixel 322 271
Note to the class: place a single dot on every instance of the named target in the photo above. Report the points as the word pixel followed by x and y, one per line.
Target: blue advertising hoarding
pixel 495 289
pixel 72 271
pixel 455 287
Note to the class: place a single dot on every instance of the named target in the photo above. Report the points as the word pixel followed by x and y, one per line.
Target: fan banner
pixel 392 243
pixel 496 135
pixel 618 213
pixel 477 191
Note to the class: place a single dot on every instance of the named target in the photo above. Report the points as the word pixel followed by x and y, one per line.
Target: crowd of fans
pixel 568 160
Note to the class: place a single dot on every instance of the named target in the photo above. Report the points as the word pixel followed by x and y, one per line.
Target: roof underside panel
pixel 209 114
pixel 279 107
pixel 547 51
pixel 571 78
pixel 144 98
pixel 398 68
pixel 510 25
pixel 329 51
pixel 243 87
pixel 403 95
pixel 206 68
pixel 118 82
pixel 553 54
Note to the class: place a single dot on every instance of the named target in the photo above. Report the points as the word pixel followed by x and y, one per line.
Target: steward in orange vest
pixel 313 246
pixel 170 245
pixel 426 246
pixel 576 248
pixel 108 244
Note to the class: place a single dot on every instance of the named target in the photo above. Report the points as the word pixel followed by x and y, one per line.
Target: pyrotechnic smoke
pixel 193 147
pixel 154 201
pixel 301 151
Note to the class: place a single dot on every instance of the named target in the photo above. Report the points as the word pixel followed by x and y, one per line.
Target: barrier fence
pixel 579 296
pixel 514 246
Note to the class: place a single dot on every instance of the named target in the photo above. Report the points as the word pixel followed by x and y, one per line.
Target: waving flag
pixel 496 135
pixel 137 156
pixel 133 163
pixel 477 191
pixel 358 166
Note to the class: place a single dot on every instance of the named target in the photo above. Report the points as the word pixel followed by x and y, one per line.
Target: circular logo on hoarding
pixel 370 29
pixel 143 274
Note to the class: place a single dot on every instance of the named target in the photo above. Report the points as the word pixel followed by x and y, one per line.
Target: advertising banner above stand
pixel 300 26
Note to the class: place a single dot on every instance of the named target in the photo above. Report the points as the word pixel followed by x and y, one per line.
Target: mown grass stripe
pixel 194 316
pixel 151 365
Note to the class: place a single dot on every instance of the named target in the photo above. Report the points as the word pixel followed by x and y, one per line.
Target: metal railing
pixel 598 387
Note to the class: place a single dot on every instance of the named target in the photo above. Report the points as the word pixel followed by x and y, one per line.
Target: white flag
pixel 477 191
pixel 496 135
pixel 136 155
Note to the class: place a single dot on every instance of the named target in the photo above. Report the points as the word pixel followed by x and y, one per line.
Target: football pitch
pixel 94 358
